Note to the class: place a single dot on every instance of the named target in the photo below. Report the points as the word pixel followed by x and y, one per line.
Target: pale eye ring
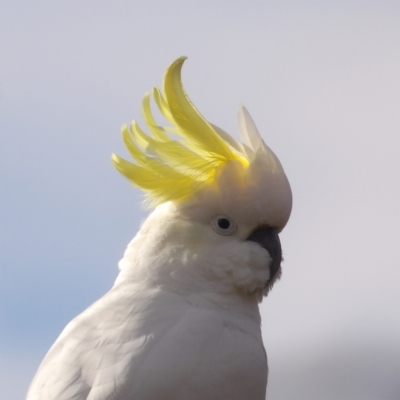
pixel 223 225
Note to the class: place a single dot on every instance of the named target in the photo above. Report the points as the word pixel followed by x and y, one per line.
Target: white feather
pixel 176 325
pixel 248 131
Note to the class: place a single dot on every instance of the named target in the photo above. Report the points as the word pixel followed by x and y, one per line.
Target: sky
pixel 322 82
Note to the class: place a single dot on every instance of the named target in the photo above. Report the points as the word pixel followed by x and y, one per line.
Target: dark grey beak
pixel 268 238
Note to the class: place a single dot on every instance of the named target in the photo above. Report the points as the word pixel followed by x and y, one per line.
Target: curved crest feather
pixel 168 169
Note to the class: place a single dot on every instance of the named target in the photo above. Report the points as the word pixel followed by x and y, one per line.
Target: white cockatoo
pixel 182 320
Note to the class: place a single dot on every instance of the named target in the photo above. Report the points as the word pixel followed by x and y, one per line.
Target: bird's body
pixel 194 351
pixel 182 320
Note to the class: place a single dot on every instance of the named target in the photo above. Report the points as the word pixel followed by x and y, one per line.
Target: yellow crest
pixel 173 170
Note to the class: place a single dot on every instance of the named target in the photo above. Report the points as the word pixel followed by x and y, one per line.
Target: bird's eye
pixel 223 225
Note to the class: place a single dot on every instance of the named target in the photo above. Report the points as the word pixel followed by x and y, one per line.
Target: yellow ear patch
pixel 168 169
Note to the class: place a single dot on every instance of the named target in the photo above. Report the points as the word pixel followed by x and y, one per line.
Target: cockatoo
pixel 182 320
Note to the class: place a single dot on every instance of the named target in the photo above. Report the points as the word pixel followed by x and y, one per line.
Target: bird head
pixel 219 204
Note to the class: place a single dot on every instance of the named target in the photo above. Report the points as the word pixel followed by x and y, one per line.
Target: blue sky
pixel 320 78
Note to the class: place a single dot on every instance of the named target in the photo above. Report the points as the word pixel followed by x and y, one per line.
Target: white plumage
pixel 182 320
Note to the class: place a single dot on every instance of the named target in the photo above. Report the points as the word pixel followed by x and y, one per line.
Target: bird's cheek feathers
pixel 243 266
